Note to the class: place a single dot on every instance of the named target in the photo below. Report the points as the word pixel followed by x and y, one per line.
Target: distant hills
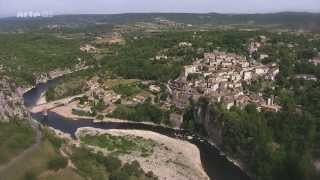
pixel 292 20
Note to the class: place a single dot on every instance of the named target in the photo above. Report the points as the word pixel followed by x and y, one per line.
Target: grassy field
pixel 14 138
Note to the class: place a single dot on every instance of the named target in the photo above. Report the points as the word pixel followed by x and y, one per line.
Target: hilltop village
pixel 220 77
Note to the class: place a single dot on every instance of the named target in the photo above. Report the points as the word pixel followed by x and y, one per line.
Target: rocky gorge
pixel 11 100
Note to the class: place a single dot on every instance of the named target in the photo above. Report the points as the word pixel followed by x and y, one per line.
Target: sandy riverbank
pixel 172 159
pixel 41 100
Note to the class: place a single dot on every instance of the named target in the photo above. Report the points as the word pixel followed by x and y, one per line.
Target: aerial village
pixel 220 76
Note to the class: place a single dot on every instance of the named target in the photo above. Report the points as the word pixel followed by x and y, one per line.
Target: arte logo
pixel 34 14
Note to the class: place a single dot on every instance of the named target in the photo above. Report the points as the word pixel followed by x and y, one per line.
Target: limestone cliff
pixel 207 117
pixel 11 100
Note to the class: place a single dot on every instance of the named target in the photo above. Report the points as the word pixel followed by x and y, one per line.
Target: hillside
pixel 25 57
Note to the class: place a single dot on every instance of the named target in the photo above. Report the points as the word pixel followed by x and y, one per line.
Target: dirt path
pixel 27 151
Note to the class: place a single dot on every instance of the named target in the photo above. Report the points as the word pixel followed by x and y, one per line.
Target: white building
pixel 264 56
pixel 261 70
pixel 189 70
pixel 247 75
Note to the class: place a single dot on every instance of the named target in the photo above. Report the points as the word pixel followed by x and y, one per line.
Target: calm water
pixel 31 96
pixel 216 165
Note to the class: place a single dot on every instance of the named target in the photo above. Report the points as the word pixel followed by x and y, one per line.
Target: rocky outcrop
pixel 11 100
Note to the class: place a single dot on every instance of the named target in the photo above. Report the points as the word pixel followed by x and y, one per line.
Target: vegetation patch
pixel 96 167
pixel 121 144
pixel 127 89
pixel 15 137
pixel 81 112
pixel 58 162
pixel 142 112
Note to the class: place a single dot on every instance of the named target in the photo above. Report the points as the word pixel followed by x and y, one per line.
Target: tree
pixel 132 169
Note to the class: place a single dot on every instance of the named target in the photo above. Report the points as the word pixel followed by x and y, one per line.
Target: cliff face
pixel 207 117
pixel 11 101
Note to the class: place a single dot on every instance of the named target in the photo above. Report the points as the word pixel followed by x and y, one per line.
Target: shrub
pixel 100 117
pixel 81 113
pixel 132 169
pixel 112 163
pixel 56 142
pixel 150 174
pixel 57 163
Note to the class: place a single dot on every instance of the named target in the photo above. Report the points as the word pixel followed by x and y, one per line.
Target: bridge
pixel 53 104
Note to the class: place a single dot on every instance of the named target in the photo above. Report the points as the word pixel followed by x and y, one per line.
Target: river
pixel 216 165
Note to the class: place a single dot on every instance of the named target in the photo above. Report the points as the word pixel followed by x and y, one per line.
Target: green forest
pixel 25 56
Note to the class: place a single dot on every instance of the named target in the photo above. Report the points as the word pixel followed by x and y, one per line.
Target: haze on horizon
pixel 11 7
